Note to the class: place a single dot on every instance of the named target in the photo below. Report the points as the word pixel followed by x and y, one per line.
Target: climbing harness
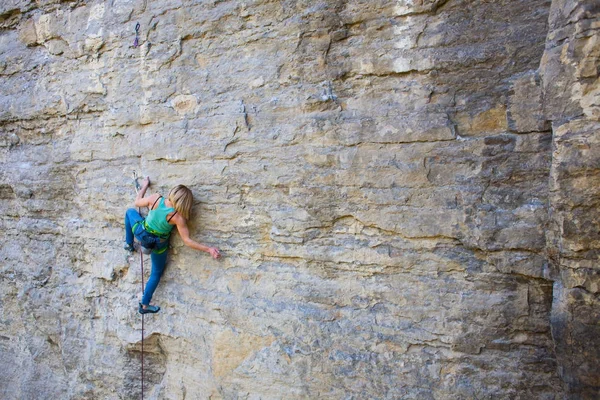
pixel 137 188
pixel 136 43
pixel 149 239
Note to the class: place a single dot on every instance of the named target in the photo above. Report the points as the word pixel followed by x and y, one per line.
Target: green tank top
pixel 156 221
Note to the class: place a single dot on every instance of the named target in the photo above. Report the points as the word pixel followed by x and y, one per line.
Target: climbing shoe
pixel 128 247
pixel 148 309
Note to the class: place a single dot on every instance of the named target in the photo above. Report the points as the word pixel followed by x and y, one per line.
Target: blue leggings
pixel 159 261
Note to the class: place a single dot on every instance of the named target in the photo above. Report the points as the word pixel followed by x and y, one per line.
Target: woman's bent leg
pixel 159 262
pixel 131 217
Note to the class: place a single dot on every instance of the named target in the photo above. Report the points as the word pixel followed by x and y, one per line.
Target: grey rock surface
pixel 571 63
pixel 405 195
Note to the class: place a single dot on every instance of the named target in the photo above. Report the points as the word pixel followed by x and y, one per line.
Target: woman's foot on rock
pixel 148 309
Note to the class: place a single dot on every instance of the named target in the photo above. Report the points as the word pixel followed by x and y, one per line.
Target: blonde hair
pixel 182 199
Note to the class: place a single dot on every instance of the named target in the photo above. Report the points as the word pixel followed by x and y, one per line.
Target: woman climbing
pixel 155 230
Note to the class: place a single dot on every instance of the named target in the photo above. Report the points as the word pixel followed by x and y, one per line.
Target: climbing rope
pixel 137 188
pixel 142 264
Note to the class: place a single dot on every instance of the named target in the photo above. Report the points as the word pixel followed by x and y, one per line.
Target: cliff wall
pixel 405 194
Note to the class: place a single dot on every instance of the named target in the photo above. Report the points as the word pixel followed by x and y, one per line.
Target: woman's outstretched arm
pixel 184 232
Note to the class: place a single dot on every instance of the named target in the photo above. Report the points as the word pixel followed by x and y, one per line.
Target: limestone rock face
pixel 571 62
pixel 404 193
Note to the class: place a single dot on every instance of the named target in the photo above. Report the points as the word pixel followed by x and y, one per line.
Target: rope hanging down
pixel 142 264
pixel 137 188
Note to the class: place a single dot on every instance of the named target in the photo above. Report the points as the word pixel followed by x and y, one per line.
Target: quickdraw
pixel 136 43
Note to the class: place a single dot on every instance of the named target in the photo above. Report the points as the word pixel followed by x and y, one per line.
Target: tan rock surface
pixel 404 194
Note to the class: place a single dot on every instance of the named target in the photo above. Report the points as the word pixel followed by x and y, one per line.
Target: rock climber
pixel 154 232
